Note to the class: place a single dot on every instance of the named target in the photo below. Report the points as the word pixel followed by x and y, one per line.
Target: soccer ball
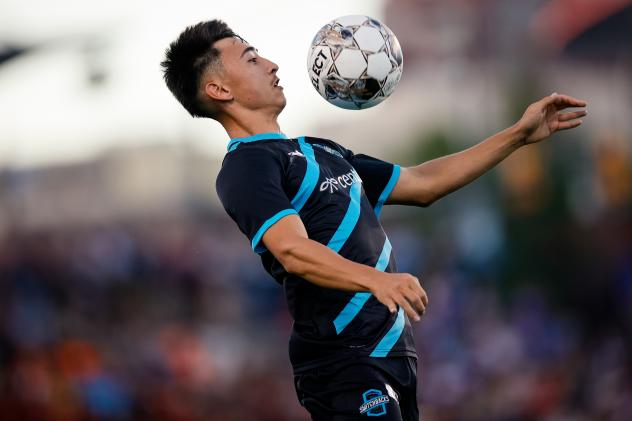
pixel 355 62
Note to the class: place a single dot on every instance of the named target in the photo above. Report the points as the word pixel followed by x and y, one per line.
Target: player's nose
pixel 273 67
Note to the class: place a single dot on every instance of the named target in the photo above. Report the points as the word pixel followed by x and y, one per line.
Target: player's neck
pixel 249 125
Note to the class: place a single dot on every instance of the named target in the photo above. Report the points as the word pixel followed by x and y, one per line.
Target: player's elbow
pixel 429 199
pixel 289 255
pixel 420 189
pixel 421 201
pixel 424 202
pixel 426 198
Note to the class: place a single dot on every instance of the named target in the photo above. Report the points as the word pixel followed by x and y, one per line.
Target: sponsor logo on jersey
pixel 328 149
pixel 341 182
pixel 374 403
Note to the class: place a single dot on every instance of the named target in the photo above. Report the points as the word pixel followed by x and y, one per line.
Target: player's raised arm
pixel 287 240
pixel 423 184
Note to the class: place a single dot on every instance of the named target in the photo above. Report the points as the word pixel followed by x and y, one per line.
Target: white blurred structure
pixel 90 76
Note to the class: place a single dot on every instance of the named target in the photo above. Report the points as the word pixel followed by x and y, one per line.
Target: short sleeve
pixel 250 187
pixel 378 178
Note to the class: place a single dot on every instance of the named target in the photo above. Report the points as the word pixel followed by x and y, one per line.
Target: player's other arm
pixel 287 240
pixel 423 184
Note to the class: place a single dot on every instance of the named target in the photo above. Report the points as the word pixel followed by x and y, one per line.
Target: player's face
pixel 251 78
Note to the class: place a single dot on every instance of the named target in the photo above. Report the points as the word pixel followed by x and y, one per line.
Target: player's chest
pixel 322 167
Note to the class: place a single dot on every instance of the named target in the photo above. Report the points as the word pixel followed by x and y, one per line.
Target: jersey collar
pixel 262 136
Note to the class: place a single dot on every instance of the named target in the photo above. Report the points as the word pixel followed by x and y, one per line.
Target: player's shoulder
pixel 257 153
pixel 250 161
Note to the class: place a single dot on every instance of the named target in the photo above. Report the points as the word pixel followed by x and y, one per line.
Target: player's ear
pixel 217 91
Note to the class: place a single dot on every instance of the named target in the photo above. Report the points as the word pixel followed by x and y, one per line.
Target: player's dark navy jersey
pixel 338 196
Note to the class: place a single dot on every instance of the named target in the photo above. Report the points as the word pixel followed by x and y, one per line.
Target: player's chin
pixel 281 102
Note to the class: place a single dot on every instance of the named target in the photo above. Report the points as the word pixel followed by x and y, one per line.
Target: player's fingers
pixel 390 304
pixel 563 101
pixel 418 304
pixel 420 293
pixel 408 308
pixel 418 290
pixel 565 125
pixel 571 115
pixel 424 297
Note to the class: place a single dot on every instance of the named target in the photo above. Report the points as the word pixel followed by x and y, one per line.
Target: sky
pixel 94 82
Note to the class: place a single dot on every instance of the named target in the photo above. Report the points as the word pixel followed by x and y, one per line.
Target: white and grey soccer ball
pixel 355 62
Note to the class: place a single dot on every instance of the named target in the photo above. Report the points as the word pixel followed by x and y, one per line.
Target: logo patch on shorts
pixel 391 392
pixel 374 403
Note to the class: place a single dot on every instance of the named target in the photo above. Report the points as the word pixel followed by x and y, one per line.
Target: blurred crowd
pixel 166 320
pixel 530 294
pixel 126 294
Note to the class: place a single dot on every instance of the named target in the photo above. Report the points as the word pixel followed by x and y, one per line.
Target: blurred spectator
pixel 169 316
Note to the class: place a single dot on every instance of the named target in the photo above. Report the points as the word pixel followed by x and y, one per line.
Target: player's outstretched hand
pixel 545 117
pixel 404 290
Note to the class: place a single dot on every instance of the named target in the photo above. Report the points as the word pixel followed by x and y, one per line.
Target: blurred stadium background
pixel 127 293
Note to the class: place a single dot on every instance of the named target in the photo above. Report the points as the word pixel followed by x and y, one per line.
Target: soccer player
pixel 311 208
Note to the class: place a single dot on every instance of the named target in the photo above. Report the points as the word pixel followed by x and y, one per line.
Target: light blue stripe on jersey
pixel 387 190
pixel 385 256
pixel 388 341
pixel 350 219
pixel 261 136
pixel 259 248
pixel 356 303
pixel 310 179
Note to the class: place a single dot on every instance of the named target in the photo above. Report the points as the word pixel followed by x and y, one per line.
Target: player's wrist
pixel 518 135
pixel 367 280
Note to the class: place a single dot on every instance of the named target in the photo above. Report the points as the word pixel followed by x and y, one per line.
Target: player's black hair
pixel 188 57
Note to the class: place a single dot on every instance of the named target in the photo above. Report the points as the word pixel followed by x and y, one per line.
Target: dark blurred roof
pixel 8 52
pixel 585 29
pixel 609 39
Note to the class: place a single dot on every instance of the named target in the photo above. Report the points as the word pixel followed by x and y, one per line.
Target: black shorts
pixel 361 388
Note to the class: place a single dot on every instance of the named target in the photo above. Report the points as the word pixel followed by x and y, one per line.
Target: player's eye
pixel 253 60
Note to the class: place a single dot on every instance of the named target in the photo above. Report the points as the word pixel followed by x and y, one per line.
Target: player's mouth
pixel 275 84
